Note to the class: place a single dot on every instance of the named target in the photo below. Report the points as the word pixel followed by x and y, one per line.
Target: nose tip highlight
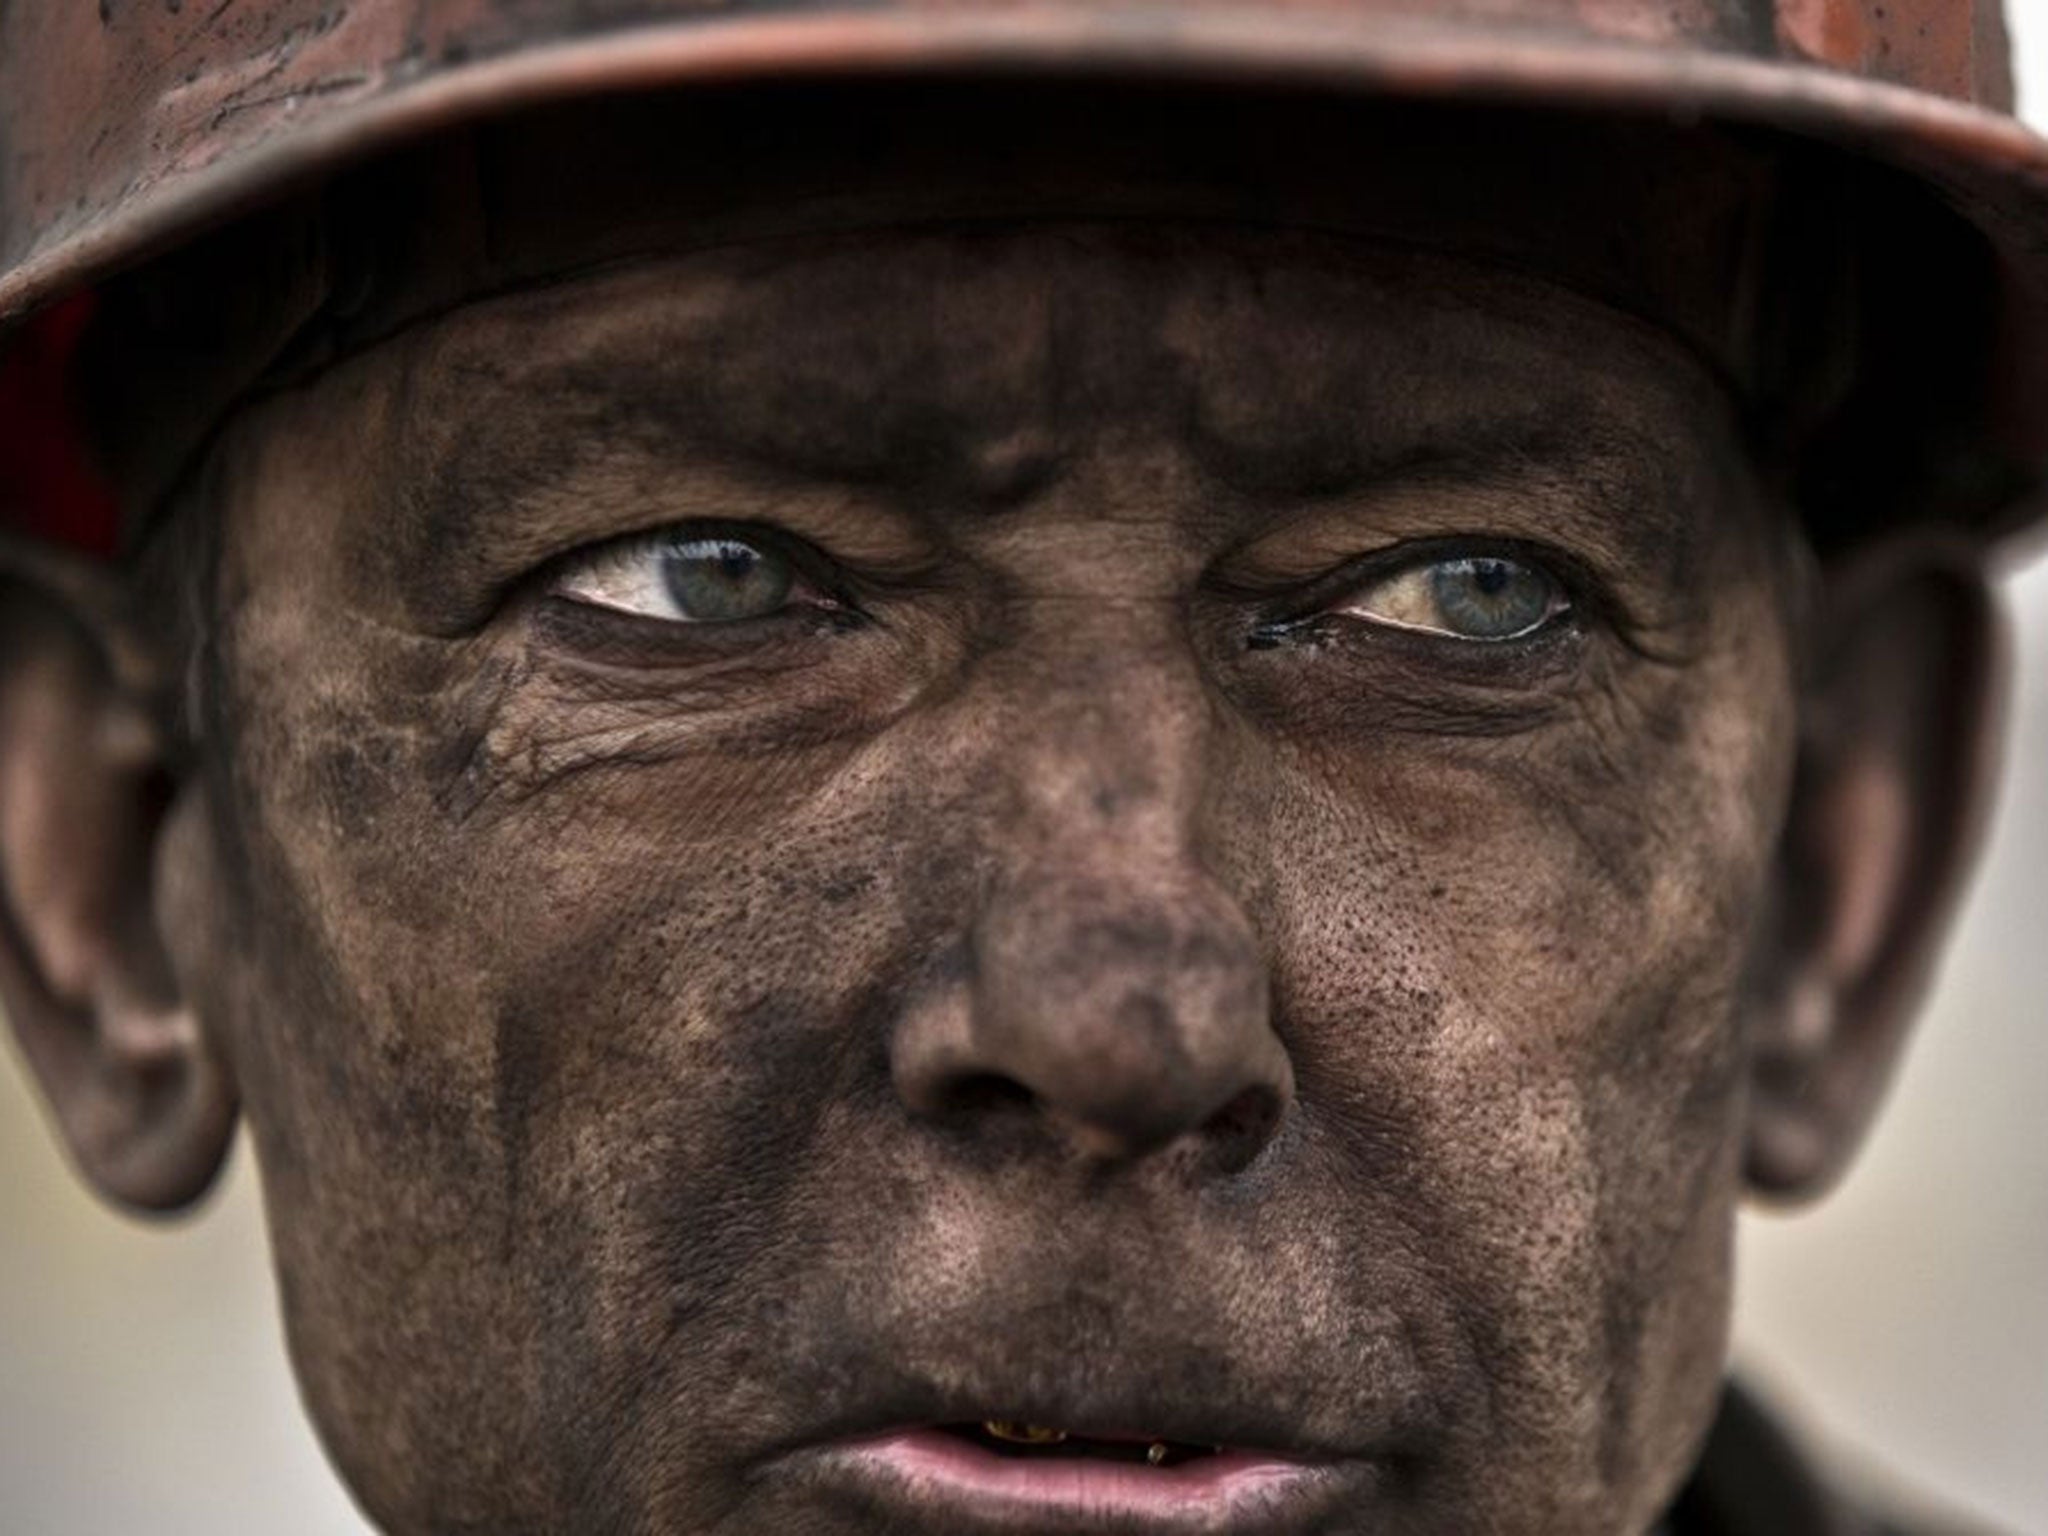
pixel 1113 1024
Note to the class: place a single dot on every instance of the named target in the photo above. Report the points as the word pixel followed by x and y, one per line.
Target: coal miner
pixel 1005 768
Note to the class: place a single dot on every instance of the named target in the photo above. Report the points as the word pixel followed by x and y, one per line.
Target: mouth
pixel 1040 1442
pixel 1014 1475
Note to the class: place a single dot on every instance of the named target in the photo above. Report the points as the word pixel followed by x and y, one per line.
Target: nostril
pixel 980 1094
pixel 1234 1135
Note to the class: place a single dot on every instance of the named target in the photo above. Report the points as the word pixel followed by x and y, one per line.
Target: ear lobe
pixel 146 1108
pixel 1898 746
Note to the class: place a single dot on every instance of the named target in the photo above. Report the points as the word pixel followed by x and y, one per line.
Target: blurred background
pixel 1903 1324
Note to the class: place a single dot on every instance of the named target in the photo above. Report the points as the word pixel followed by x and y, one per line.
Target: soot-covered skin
pixel 1079 972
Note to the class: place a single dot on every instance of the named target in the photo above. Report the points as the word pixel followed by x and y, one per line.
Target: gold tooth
pixel 1023 1434
pixel 1156 1452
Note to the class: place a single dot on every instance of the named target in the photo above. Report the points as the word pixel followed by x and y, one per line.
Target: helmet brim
pixel 1991 169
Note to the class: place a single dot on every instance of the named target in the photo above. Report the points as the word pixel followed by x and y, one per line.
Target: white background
pixel 143 1389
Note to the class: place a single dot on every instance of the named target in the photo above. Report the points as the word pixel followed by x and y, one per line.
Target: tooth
pixel 1023 1434
pixel 1156 1452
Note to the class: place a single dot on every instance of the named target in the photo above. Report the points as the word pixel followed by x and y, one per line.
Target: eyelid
pixel 1418 572
pixel 813 573
pixel 1297 598
pixel 1303 606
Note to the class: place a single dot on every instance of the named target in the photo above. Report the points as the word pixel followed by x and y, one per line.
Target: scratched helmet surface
pixel 129 126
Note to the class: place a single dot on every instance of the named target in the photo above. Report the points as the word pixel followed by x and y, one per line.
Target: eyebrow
pixel 775 428
pixel 1630 501
pixel 1631 498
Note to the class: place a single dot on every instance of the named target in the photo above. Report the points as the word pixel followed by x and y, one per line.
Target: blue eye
pixel 710 580
pixel 685 578
pixel 1475 597
pixel 1488 599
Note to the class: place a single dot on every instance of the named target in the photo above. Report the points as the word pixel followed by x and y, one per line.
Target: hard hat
pixel 127 127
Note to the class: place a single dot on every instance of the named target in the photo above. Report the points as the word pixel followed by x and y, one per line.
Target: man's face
pixel 1152 832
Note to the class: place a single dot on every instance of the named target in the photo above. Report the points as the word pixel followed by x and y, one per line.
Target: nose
pixel 1117 1014
pixel 1112 997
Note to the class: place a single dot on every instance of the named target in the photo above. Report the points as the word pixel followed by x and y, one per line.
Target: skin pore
pixel 1106 945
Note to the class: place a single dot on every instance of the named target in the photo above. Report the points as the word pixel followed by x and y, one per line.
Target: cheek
pixel 535 1068
pixel 1512 988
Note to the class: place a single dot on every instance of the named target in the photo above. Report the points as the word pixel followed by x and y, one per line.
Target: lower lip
pixel 1230 1490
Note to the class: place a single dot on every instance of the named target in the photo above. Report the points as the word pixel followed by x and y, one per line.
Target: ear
pixel 1899 734
pixel 86 795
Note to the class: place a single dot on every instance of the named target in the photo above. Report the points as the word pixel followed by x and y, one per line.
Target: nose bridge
pixel 1115 979
pixel 1114 743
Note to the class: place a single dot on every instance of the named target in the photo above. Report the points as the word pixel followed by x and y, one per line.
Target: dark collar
pixel 1752 1480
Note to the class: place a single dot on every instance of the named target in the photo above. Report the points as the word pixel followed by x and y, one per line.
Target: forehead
pixel 1283 358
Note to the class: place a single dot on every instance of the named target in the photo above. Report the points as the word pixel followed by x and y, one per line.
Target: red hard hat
pixel 127 127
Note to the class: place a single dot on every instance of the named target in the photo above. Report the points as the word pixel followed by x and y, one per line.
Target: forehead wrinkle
pixel 925 361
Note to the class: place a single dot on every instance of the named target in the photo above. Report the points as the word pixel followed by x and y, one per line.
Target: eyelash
pixel 832 596
pixel 1308 615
